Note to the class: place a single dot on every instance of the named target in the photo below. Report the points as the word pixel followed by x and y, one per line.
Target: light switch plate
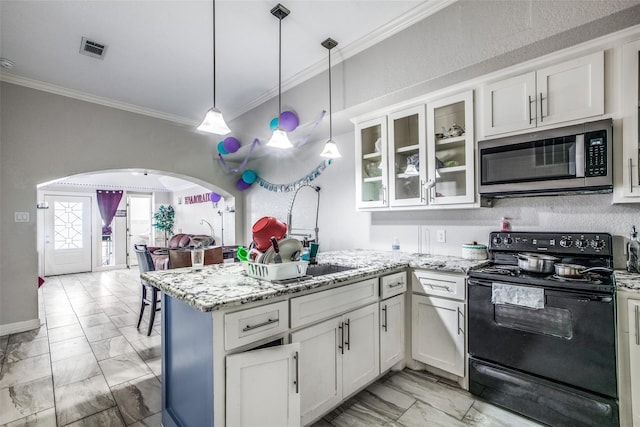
pixel 441 236
pixel 21 216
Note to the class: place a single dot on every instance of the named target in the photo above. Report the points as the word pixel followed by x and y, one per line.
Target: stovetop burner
pixel 587 249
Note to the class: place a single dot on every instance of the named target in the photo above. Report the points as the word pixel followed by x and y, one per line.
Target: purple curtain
pixel 108 201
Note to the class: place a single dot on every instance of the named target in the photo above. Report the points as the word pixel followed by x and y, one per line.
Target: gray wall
pixel 46 137
pixel 464 41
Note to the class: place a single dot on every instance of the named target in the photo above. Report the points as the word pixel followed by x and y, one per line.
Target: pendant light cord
pixel 279 70
pixel 330 115
pixel 214 53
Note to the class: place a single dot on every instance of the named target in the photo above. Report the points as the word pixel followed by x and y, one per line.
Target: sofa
pixel 160 255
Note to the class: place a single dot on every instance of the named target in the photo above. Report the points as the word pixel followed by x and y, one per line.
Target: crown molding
pixel 401 23
pixel 83 96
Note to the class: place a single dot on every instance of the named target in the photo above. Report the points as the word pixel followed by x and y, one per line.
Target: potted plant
pixel 163 220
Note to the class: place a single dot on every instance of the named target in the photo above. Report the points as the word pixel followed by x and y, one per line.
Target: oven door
pixel 570 340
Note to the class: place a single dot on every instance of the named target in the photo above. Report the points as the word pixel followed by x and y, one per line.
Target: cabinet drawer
pixel 244 327
pixel 393 284
pixel 440 284
pixel 321 305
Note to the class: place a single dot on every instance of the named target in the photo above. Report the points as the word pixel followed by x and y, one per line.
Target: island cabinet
pixel 558 93
pixel 438 313
pixel 340 355
pixel 633 311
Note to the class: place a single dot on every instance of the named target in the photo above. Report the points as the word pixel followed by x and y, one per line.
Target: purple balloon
pixel 242 185
pixel 231 144
pixel 215 197
pixel 288 121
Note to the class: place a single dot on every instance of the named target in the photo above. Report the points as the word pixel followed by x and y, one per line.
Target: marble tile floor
pixel 88 365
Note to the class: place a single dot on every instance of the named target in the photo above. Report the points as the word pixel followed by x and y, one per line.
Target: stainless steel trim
pixel 541 113
pixel 384 325
pixel 259 325
pixel 341 346
pixel 297 380
pixel 630 167
pixel 580 155
pixel 637 324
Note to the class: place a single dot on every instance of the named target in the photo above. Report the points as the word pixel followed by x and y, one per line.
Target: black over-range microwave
pixel 571 159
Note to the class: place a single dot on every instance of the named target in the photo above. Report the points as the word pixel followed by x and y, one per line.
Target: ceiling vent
pixel 91 48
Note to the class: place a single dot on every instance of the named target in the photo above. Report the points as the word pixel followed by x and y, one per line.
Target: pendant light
pixel 213 121
pixel 279 139
pixel 330 147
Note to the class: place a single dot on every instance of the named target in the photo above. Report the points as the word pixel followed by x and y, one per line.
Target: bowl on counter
pixel 474 251
pixel 265 228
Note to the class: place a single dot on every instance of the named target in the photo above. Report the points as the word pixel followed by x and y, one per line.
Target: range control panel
pixel 599 244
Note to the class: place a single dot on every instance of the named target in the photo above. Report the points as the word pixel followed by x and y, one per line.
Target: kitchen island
pixel 198 304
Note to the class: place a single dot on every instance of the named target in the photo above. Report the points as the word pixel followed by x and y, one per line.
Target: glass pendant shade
pixel 213 122
pixel 411 170
pixel 330 150
pixel 279 139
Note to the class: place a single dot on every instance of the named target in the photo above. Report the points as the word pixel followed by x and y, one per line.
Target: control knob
pixel 508 240
pixel 582 243
pixel 566 243
pixel 597 244
pixel 497 240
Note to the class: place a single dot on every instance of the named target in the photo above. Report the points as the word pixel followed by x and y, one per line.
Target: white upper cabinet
pixel 407 154
pixel 451 165
pixel 630 121
pixel 371 164
pixel 559 93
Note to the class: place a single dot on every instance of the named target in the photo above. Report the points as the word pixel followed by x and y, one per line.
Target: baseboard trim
pixel 17 327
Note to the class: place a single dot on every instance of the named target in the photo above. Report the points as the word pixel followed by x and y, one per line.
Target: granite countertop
pixel 626 281
pixel 225 285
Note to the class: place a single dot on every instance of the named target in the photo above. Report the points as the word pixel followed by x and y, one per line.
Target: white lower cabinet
pixel 340 355
pixel 263 387
pixel 391 331
pixel 437 333
pixel 633 311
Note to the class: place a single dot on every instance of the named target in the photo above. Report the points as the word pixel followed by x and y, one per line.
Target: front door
pixel 67 235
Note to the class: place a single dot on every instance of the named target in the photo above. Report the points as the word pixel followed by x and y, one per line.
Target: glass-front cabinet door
pixel 631 120
pixel 450 150
pixel 407 154
pixel 371 164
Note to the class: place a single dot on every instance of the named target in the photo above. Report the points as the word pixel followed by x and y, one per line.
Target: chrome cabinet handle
pixel 259 325
pixel 637 324
pixel 422 190
pixel 348 340
pixel 395 285
pixel 341 346
pixel 459 328
pixel 384 194
pixel 630 166
pixel 541 113
pixel 384 325
pixel 297 380
pixel 434 285
pixel 530 116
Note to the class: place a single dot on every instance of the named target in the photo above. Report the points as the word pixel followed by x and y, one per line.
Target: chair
pixel 150 294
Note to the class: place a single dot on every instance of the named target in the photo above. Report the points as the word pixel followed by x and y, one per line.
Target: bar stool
pixel 150 294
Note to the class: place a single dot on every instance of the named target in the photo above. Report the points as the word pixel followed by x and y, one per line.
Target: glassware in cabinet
pixel 450 150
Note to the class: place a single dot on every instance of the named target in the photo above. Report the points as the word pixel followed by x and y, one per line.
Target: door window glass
pixel 68 225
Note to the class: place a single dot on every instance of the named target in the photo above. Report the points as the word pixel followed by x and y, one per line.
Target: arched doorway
pixel 60 224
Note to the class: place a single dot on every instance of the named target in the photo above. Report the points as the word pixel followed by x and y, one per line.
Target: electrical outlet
pixel 21 216
pixel 441 236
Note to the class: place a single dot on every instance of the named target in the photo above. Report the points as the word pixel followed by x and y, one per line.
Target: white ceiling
pixel 159 52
